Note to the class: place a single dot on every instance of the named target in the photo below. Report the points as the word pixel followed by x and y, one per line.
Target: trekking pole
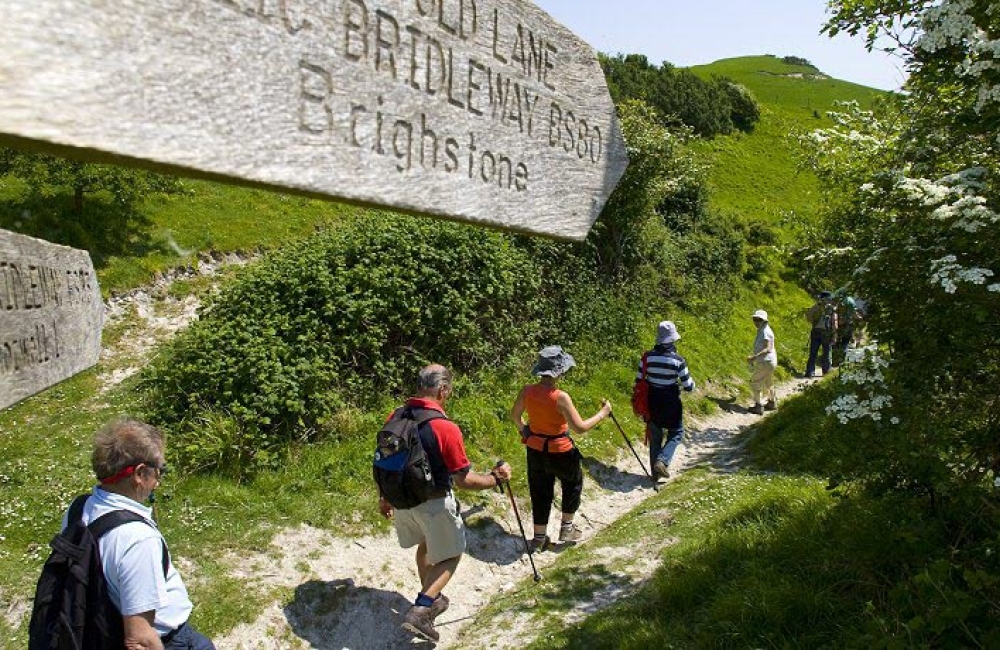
pixel 629 442
pixel 517 515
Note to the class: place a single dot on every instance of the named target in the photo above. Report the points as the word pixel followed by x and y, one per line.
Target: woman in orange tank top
pixel 551 452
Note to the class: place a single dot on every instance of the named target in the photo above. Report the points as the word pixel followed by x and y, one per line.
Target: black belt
pixel 547 438
pixel 169 636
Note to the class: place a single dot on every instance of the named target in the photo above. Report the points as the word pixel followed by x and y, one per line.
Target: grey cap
pixel 552 361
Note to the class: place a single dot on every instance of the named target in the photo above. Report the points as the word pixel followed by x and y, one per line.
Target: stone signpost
pixel 486 111
pixel 50 315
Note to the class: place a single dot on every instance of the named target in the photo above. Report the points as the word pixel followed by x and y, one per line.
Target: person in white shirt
pixel 143 584
pixel 763 362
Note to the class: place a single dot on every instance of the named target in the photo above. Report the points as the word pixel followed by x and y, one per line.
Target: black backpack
pixel 72 609
pixel 402 468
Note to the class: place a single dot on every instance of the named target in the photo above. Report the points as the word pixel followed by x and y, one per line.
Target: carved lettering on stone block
pixel 51 315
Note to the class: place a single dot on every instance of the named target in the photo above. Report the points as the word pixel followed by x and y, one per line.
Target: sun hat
pixel 552 361
pixel 666 332
pixel 761 314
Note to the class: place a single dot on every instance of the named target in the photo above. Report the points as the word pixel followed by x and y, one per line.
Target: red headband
pixel 125 473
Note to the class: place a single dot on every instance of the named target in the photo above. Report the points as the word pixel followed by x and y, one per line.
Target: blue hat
pixel 552 361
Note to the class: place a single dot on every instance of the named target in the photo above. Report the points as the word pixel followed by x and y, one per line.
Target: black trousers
pixel 543 470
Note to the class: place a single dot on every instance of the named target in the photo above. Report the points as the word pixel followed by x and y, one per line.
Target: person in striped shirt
pixel 666 373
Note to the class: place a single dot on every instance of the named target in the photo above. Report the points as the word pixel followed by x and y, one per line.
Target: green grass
pixel 220 218
pixel 756 175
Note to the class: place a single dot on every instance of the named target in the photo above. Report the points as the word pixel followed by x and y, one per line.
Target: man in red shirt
pixel 434 526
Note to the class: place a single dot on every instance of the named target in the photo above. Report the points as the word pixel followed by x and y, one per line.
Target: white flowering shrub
pixel 913 212
pixel 865 393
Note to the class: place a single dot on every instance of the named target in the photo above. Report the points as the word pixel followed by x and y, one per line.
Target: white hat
pixel 761 314
pixel 666 332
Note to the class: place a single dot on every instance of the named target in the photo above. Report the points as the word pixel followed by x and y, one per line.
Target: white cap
pixel 666 332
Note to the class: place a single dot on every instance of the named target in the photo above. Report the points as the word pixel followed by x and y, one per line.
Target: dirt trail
pixel 352 593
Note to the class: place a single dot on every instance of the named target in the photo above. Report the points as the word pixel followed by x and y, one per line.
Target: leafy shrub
pixel 708 107
pixel 94 207
pixel 744 111
pixel 341 317
pixel 798 60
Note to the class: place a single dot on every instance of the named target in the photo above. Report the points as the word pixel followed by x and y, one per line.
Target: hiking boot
pixel 757 409
pixel 420 621
pixel 570 533
pixel 536 545
pixel 439 606
pixel 771 406
pixel 660 470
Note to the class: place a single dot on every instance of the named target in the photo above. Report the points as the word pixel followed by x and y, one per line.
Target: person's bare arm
pixel 517 412
pixel 565 405
pixel 140 633
pixel 476 481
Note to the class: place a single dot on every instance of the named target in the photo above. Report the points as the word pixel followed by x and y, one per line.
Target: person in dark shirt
pixel 666 373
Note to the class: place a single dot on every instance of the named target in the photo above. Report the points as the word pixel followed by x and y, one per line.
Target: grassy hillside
pixel 756 175
pixel 327 485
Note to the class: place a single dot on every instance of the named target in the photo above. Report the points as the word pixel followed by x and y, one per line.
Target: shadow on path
pixel 615 479
pixel 729 405
pixel 717 449
pixel 336 614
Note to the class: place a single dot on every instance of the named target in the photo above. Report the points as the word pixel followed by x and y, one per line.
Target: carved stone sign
pixel 51 315
pixel 485 111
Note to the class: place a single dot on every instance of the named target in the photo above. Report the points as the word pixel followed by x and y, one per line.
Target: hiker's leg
pixel 569 469
pixel 541 488
pixel 188 638
pixel 674 439
pixel 825 360
pixel 758 380
pixel 443 544
pixel 815 341
pixel 423 566
pixel 674 430
pixel 772 396
pixel 438 576
pixel 655 442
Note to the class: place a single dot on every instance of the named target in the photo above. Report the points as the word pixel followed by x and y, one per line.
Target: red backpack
pixel 640 394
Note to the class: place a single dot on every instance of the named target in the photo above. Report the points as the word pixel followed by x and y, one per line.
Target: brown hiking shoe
pixel 439 606
pixel 757 409
pixel 660 470
pixel 771 406
pixel 420 621
pixel 569 533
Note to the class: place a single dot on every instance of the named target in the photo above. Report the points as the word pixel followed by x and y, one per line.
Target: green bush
pixel 344 316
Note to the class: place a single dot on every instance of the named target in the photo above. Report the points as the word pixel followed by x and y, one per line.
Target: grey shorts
pixel 435 522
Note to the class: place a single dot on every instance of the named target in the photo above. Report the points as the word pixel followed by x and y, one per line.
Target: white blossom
pixel 947 272
pixel 863 368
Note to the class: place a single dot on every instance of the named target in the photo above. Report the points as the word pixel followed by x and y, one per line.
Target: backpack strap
pixel 422 415
pixel 76 510
pixel 109 521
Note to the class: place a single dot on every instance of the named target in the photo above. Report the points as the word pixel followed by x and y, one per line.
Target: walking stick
pixel 524 537
pixel 629 442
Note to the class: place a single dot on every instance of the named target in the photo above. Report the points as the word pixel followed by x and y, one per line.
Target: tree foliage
pixel 914 226
pixel 95 207
pixel 709 108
